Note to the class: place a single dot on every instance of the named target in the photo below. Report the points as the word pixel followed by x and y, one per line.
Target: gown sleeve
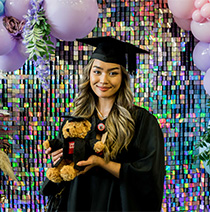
pixel 142 178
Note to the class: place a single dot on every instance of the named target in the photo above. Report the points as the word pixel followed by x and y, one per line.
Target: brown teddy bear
pixel 74 141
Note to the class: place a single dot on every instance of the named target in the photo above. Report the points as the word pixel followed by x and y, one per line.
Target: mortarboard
pixel 112 50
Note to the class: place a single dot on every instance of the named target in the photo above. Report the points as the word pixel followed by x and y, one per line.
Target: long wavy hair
pixel 120 132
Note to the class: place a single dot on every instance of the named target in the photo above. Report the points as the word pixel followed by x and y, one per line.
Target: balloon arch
pixel 22 36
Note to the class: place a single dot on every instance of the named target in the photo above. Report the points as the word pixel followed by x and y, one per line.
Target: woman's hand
pixel 93 160
pixel 56 155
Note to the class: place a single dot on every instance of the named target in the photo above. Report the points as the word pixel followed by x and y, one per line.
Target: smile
pixel 103 88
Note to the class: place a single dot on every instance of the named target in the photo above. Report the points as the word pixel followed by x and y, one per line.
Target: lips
pixel 103 88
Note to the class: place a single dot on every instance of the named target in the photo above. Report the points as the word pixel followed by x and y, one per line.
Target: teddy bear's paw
pixel 54 175
pixel 99 146
pixel 68 173
pixel 46 144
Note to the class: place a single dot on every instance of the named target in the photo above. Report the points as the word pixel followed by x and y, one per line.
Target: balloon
pixel 183 23
pixel 6 40
pixel 201 56
pixel 205 10
pixel 201 30
pixel 70 19
pixel 206 81
pixel 54 40
pixel 22 49
pixel 181 8
pixel 196 16
pixel 13 60
pixel 1 9
pixel 199 3
pixel 17 8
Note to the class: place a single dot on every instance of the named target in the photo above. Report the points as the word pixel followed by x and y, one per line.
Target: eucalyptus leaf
pixel 51 52
pixel 49 42
pixel 35 58
pixel 40 49
pixel 29 50
pixel 31 55
pixel 37 53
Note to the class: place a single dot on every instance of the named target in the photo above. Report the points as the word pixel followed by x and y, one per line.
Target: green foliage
pixel 37 38
pixel 204 143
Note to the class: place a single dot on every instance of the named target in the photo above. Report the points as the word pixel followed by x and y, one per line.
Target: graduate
pixel 131 177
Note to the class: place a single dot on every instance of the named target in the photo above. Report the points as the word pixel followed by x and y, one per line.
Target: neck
pixel 104 107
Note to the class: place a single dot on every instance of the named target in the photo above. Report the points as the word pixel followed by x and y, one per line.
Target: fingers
pixel 83 163
pixel 57 155
pixel 54 162
pixel 92 160
pixel 85 170
pixel 47 151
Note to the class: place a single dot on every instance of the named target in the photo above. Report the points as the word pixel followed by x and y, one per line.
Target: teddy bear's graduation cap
pixel 109 49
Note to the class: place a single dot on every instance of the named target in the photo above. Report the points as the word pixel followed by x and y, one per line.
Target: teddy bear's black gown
pixel 140 185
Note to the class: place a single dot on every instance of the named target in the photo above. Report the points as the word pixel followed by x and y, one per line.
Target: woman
pixel 131 178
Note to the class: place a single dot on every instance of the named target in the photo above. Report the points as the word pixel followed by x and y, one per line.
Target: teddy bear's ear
pixel 46 144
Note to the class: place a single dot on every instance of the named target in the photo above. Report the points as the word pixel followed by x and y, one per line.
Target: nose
pixel 104 78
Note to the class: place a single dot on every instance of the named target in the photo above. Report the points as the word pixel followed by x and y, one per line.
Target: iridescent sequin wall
pixel 166 83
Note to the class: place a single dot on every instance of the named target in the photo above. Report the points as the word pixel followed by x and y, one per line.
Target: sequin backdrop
pixel 167 84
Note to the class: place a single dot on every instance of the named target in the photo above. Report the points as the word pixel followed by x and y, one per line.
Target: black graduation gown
pixel 140 185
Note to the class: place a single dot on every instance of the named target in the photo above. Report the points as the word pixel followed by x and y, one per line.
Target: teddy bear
pixel 74 141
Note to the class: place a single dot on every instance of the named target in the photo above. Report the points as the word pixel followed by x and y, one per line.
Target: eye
pixel 113 73
pixel 96 72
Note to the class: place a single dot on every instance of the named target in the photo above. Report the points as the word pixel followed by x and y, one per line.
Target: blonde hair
pixel 120 132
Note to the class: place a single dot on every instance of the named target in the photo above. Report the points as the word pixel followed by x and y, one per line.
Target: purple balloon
pixel 206 81
pixel 7 43
pixel 22 49
pixel 70 19
pixel 13 60
pixel 17 8
pixel 54 40
pixel 201 56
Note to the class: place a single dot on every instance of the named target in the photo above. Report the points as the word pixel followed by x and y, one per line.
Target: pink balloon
pixel 199 3
pixel 12 61
pixel 205 10
pixel 17 8
pixel 183 23
pixel 206 81
pixel 7 43
pixel 182 8
pixel 201 56
pixel 196 16
pixel 70 19
pixel 201 30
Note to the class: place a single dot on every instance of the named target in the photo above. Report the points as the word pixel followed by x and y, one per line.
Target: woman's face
pixel 105 78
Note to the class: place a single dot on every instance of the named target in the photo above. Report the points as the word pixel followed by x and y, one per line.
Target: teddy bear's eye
pixel 67 130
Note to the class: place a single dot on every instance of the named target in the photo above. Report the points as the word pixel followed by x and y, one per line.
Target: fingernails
pixel 79 163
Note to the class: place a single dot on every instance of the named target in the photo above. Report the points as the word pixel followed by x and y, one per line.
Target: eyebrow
pixel 110 69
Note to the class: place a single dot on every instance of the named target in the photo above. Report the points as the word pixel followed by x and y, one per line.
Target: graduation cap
pixel 112 50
